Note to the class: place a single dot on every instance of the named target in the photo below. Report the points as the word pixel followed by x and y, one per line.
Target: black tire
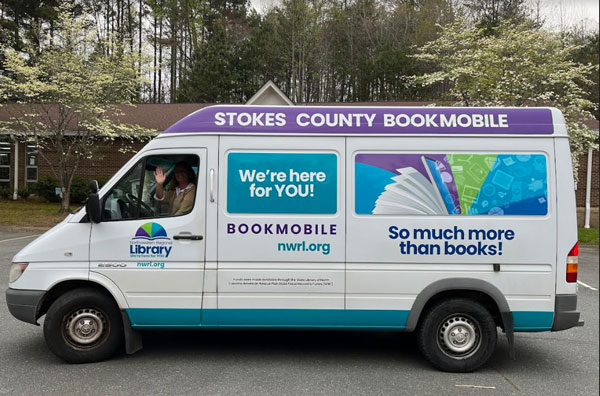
pixel 83 326
pixel 457 335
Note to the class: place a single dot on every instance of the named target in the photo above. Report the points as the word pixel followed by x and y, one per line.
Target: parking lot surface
pixel 300 362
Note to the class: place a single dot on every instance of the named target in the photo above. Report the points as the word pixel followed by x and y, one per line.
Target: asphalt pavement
pixel 299 362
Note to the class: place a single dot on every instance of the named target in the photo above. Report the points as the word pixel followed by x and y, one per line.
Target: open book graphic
pixel 413 194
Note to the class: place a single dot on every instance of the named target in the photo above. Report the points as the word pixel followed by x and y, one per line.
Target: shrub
pixel 46 188
pixel 5 192
pixel 79 190
pixel 24 192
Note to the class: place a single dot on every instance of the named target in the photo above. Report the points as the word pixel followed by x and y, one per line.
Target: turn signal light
pixel 16 270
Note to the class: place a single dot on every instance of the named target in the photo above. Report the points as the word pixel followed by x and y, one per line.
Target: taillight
pixel 572 261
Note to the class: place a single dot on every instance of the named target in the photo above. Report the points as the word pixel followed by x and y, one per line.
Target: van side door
pixel 281 232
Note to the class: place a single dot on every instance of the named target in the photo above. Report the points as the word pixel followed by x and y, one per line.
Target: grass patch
pixel 29 214
pixel 588 236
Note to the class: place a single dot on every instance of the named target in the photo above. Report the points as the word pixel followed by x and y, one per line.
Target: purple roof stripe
pixel 366 120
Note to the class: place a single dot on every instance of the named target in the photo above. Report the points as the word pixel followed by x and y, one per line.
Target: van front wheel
pixel 457 335
pixel 82 326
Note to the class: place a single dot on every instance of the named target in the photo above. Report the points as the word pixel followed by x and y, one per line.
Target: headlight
pixel 16 269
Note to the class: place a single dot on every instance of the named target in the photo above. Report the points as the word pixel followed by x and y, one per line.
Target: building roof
pixel 152 116
pixel 269 94
pixel 158 116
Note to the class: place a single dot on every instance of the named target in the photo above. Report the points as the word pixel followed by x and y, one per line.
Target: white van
pixel 450 222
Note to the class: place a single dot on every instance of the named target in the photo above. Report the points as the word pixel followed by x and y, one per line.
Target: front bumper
pixel 565 312
pixel 23 304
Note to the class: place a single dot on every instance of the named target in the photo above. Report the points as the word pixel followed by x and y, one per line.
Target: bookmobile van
pixel 450 222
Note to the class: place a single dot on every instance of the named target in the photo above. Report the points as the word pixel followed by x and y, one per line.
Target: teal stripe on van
pixel 525 321
pixel 319 318
pixel 532 320
pixel 164 317
pixel 268 318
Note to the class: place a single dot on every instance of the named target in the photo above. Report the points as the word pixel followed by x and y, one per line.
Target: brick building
pixel 20 162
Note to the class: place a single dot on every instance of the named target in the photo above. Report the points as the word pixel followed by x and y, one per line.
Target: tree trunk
pixel 140 41
pixel 65 202
pixel 130 32
pixel 160 31
pixel 155 44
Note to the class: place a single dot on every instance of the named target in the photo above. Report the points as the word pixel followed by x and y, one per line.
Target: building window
pixel 31 169
pixel 4 164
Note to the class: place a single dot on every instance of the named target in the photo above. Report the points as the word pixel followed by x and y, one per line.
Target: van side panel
pixel 384 273
pixel 281 244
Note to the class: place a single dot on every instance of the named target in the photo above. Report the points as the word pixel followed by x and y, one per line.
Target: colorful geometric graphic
pixel 451 184
pixel 151 231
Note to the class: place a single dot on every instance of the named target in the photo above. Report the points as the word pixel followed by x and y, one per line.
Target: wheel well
pixel 482 298
pixel 63 287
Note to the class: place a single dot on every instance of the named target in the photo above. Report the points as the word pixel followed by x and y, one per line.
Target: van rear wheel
pixel 82 326
pixel 457 335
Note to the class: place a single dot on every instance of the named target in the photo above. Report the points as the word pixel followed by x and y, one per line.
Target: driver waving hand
pixel 181 197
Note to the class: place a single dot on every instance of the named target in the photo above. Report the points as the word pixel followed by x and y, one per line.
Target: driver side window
pixel 157 186
pixel 121 203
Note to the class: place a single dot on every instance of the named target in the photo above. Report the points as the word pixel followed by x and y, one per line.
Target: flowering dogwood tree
pixel 64 98
pixel 513 66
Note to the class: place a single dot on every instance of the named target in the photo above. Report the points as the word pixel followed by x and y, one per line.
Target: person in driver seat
pixel 181 196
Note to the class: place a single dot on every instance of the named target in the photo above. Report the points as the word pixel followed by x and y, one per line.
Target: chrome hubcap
pixel 85 326
pixel 459 336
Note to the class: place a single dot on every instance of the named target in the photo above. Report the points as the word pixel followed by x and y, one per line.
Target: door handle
pixel 190 237
pixel 211 182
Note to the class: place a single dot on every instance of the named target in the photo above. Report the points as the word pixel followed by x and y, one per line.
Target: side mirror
pixel 94 186
pixel 92 206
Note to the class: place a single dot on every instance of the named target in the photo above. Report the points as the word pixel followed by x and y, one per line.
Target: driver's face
pixel 181 176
